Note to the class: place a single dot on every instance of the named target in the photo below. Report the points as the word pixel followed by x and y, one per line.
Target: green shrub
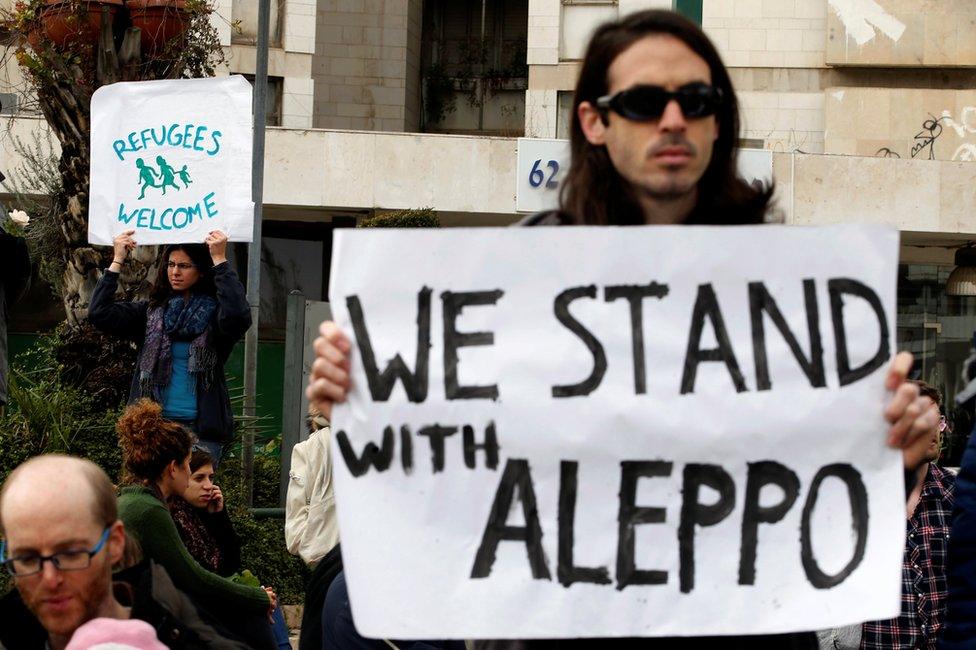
pixel 263 550
pixel 46 416
pixel 422 218
pixel 49 411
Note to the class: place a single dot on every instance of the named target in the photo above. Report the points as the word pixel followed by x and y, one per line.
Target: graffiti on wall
pixel 964 127
pixel 862 20
pixel 793 143
pixel 934 128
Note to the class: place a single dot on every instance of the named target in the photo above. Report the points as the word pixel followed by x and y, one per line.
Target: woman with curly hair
pixel 196 313
pixel 156 460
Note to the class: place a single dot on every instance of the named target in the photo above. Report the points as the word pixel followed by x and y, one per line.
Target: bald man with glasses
pixel 61 540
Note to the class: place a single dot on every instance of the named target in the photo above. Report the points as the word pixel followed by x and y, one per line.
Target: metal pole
pixel 254 251
pixel 291 407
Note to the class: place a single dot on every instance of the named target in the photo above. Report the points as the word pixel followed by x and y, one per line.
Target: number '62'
pixel 536 176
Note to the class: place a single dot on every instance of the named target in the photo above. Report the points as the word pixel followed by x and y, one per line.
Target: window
pixel 691 9
pixel 474 66
pixel 8 103
pixel 272 107
pixel 295 256
pixel 938 330
pixel 564 114
pixel 244 23
pixel 579 19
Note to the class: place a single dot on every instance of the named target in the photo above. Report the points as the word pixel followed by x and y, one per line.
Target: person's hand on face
pixel 121 245
pixel 216 502
pixel 329 381
pixel 217 243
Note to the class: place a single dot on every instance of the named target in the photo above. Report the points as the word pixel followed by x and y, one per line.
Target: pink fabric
pixel 114 634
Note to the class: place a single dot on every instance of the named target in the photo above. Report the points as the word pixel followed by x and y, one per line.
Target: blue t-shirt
pixel 179 398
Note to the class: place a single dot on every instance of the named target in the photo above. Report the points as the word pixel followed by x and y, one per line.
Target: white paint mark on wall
pixel 839 95
pixel 966 152
pixel 862 19
pixel 966 123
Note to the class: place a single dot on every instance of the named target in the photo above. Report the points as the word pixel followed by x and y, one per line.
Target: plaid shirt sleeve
pixel 924 581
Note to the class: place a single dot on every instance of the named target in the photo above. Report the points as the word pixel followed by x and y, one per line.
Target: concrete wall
pixel 361 66
pixel 315 170
pixel 904 33
pixel 289 59
pixel 784 121
pixel 920 196
pixel 903 123
pixel 390 170
pixel 767 33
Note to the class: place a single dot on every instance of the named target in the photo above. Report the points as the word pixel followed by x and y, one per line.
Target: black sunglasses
pixel 643 103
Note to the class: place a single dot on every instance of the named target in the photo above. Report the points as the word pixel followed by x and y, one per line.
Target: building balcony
pixel 315 174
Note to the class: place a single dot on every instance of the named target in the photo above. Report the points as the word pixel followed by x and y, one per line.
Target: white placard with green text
pixel 171 160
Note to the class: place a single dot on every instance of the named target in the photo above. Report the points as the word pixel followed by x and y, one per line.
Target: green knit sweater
pixel 148 520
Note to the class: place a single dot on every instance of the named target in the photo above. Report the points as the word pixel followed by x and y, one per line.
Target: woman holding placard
pixel 196 313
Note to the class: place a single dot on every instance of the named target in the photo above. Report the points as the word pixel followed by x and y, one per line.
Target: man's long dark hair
pixel 594 193
pixel 199 254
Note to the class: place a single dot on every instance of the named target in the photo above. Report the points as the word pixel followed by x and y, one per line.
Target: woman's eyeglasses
pixel 183 266
pixel 645 102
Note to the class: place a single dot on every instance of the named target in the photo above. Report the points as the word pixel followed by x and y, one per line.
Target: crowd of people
pixel 150 565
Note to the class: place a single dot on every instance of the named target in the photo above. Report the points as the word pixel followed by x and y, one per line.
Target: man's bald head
pixel 59 478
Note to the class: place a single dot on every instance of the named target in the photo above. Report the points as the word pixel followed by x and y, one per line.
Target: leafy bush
pixel 263 550
pixel 99 363
pixel 422 218
pixel 61 400
pixel 47 416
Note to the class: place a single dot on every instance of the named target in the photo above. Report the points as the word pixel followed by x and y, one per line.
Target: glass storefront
pixel 939 330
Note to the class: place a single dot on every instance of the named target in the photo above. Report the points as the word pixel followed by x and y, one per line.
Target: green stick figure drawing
pixel 167 174
pixel 147 176
pixel 184 176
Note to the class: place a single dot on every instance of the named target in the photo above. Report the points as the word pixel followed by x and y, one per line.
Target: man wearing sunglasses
pixel 653 141
pixel 655 130
pixel 62 537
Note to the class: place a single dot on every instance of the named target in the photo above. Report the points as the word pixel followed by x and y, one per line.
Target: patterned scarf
pixel 197 538
pixel 177 320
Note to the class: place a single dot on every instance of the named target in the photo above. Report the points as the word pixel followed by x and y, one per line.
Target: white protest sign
pixel 636 431
pixel 171 160
pixel 543 164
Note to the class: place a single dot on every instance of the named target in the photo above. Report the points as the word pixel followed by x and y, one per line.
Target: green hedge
pixel 263 550
pixel 49 413
pixel 422 218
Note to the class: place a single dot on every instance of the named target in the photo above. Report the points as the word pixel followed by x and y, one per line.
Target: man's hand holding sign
pixel 614 430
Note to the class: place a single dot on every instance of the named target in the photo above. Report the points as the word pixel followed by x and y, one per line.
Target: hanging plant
pixel 160 21
pixel 68 23
pixel 64 72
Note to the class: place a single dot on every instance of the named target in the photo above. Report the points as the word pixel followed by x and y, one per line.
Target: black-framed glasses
pixel 71 560
pixel 644 102
pixel 183 266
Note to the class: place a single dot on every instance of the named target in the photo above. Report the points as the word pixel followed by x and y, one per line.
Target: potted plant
pixel 66 23
pixel 160 21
